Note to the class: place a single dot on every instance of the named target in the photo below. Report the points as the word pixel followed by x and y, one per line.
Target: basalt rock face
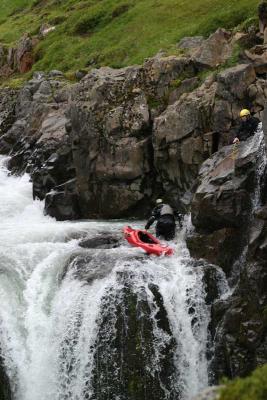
pixel 195 126
pixel 239 323
pixel 111 117
pixel 109 145
pixel 231 233
pixel 7 109
pixel 38 142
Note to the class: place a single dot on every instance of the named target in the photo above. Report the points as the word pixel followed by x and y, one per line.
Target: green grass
pixel 253 387
pixel 114 32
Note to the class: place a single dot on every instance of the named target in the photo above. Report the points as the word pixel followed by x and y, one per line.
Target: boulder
pixel 191 43
pixel 236 80
pixel 104 241
pixel 161 72
pixel 257 54
pixel 186 86
pixel 222 199
pixel 62 202
pixel 215 50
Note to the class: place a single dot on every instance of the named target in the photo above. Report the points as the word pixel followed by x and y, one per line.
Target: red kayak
pixel 146 241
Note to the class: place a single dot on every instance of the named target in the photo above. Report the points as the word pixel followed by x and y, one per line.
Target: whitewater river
pixel 50 314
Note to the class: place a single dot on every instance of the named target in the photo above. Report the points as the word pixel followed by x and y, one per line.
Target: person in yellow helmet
pixel 247 127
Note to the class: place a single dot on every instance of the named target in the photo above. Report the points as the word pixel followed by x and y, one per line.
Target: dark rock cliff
pixel 110 144
pixel 229 212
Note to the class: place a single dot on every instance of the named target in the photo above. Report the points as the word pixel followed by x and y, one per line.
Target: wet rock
pixel 132 349
pixel 5 391
pixel 7 111
pixel 221 247
pixel 62 202
pixel 211 281
pixel 239 333
pixel 102 242
pixel 39 132
pixel 239 323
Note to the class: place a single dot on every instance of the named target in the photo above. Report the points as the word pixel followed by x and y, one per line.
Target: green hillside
pixel 114 32
pixel 253 387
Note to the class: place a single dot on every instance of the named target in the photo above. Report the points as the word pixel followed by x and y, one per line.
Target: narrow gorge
pixel 83 315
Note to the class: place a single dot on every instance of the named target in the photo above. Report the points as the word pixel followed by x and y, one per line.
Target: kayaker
pixel 247 127
pixel 164 215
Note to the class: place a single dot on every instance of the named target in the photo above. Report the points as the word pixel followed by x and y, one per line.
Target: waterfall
pixel 93 323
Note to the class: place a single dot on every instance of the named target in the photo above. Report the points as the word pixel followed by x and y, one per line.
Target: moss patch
pixel 253 387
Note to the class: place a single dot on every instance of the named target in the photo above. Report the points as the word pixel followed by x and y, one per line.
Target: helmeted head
pixel 244 113
pixel 159 201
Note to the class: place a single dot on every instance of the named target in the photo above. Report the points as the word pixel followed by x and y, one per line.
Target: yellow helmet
pixel 244 112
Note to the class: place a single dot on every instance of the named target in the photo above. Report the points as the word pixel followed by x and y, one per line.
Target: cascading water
pixel 94 323
pixel 261 163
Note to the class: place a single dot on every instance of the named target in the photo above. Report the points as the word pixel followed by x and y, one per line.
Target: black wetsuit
pixel 247 128
pixel 164 215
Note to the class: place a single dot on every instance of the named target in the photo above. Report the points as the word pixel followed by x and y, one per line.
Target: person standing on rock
pixel 164 215
pixel 247 127
pixel 262 13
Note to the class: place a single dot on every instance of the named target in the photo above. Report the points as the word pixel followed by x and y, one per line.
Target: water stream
pixel 69 316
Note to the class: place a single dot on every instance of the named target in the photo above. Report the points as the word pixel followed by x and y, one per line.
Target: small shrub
pixel 59 19
pixel 176 83
pixel 253 387
pixel 88 24
pixel 37 3
pixel 244 26
pixel 119 10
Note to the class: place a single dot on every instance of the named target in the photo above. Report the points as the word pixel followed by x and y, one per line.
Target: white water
pixel 48 327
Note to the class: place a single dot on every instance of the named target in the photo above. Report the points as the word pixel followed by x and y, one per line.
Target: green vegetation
pixel 253 387
pixel 115 32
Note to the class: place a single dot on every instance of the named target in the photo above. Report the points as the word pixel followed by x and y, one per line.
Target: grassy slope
pixel 114 32
pixel 253 387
